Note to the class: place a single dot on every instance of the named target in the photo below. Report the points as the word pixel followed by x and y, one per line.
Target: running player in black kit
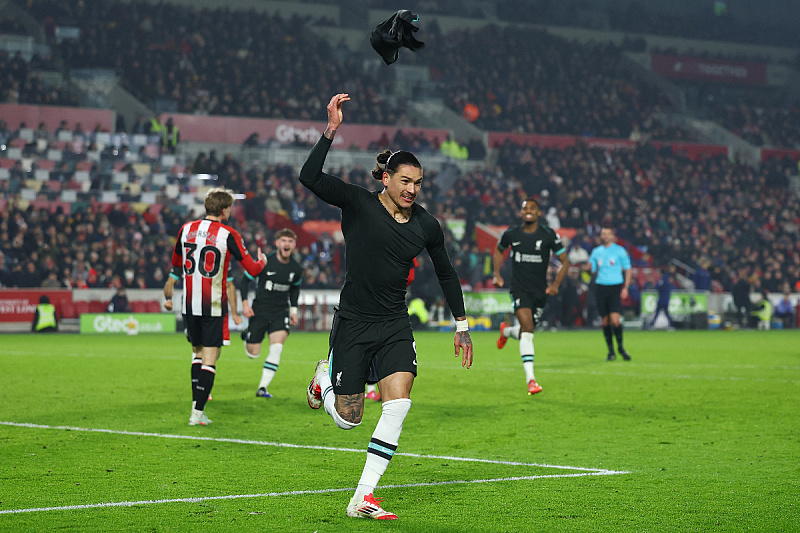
pixel 274 308
pixel 371 338
pixel 531 244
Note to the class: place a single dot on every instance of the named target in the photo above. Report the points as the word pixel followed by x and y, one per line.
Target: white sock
pixel 382 445
pixel 526 351
pixel 371 388
pixel 270 365
pixel 328 397
pixel 511 331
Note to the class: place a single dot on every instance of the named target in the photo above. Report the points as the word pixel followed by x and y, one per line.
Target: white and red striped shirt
pixel 204 249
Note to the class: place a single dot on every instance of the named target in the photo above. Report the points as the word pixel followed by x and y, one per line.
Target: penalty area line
pixel 599 471
pixel 296 493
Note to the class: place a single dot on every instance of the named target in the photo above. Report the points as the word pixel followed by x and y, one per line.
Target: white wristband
pixel 292 310
pixel 462 325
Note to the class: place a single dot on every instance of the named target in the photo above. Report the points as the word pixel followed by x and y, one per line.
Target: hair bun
pixel 384 157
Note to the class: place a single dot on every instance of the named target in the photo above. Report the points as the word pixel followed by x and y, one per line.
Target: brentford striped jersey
pixel 204 249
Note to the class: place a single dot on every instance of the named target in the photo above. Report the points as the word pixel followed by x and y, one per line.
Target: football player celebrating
pixel 274 308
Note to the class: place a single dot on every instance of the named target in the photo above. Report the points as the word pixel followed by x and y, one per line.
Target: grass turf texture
pixel 704 423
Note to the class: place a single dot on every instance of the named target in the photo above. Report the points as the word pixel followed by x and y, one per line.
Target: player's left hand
pixel 623 294
pixel 293 320
pixel 551 290
pixel 236 318
pixel 262 256
pixel 168 305
pixel 463 341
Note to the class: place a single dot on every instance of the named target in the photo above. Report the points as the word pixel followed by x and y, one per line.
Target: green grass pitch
pixel 698 433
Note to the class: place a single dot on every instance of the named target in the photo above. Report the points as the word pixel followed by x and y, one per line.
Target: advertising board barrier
pixel 18 305
pixel 682 305
pixel 488 303
pixel 127 323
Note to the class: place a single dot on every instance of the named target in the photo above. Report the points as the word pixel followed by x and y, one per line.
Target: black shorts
pixel 205 331
pixel 366 352
pixel 262 323
pixel 529 300
pixel 608 299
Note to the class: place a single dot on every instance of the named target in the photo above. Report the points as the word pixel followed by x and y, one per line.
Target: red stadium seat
pixel 138 306
pixel 96 306
pixel 81 307
pixel 153 306
pixel 46 164
pixel 67 310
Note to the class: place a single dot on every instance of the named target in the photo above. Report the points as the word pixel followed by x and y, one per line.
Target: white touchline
pixel 585 471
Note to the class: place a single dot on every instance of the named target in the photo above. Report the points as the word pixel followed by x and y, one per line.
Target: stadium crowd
pixel 21 83
pixel 722 220
pixel 224 61
pixel 216 61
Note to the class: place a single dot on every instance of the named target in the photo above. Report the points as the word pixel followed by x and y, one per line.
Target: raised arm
pixel 327 188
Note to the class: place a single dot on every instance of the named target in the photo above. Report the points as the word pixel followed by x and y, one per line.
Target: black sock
pixel 203 387
pixel 609 338
pixel 618 335
pixel 196 365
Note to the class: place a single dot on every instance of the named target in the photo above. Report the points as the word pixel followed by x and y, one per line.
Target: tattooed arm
pixel 463 341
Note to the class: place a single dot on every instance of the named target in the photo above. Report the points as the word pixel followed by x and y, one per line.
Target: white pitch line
pixel 304 446
pixel 586 471
pixel 296 493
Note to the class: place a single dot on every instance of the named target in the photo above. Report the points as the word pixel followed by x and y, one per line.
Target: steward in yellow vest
pixel 44 318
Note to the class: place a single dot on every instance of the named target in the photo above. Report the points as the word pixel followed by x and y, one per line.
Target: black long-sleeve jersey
pixel 277 286
pixel 379 251
pixel 530 253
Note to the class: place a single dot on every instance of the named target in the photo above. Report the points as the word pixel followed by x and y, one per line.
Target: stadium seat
pixel 67 310
pixel 97 306
pixel 138 306
pixel 46 164
pixel 81 307
pixel 153 306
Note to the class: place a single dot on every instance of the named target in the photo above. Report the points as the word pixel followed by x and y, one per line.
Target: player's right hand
pixel 168 305
pixel 335 115
pixel 497 281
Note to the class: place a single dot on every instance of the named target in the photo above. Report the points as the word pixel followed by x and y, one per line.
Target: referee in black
pixel 371 338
